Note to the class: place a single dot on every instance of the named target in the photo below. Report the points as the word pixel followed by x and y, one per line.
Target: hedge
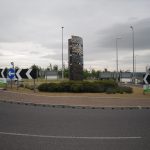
pixel 84 86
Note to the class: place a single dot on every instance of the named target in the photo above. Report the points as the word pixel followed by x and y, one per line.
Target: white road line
pixel 71 137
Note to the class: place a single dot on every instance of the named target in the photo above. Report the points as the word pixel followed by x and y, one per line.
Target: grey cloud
pixel 47 56
pixel 55 57
pixel 1 54
pixel 34 52
pixel 40 21
pixel 141 34
pixel 33 20
pixel 126 63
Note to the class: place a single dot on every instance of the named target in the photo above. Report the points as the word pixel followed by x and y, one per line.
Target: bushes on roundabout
pixel 103 86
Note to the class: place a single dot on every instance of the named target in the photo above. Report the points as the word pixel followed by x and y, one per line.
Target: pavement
pixel 44 128
pixel 95 100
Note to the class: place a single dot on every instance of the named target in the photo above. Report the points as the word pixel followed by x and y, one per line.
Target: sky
pixel 31 33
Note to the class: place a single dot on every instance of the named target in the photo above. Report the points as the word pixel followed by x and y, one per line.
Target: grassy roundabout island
pixel 103 86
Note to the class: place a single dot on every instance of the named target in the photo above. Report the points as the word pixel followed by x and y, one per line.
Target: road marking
pixel 71 137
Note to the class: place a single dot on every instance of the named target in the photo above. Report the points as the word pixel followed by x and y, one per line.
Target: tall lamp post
pixel 117 57
pixel 135 67
pixel 133 77
pixel 62 56
pixel 135 64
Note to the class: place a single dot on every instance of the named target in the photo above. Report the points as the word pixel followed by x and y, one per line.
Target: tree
pixel 86 74
pixel 66 72
pixel 105 70
pixel 49 67
pixel 37 68
pixel 55 68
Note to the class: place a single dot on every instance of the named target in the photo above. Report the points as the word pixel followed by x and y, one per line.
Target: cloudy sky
pixel 30 32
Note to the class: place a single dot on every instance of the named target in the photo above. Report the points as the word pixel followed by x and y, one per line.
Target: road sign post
pixel 3 83
pixel 27 74
pixel 11 75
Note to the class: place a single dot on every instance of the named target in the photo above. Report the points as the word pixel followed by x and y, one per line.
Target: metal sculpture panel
pixel 75 47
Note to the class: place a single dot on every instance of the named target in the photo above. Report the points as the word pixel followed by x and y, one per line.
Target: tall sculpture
pixel 75 48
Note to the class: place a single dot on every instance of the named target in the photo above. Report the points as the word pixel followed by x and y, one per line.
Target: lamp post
pixel 135 63
pixel 135 74
pixel 133 79
pixel 62 56
pixel 117 57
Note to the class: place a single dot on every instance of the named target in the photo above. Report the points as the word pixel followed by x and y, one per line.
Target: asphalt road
pixel 44 128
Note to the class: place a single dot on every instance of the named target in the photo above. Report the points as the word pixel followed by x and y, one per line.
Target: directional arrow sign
pixel 26 74
pixel 11 73
pixel 146 86
pixel 3 73
pixel 23 73
pixel 18 74
pixel 147 79
pixel 33 73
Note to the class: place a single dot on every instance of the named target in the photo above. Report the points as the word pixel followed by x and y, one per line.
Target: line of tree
pixel 93 74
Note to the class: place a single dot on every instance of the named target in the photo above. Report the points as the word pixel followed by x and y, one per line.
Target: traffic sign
pixel 3 73
pixel 26 74
pixel 147 79
pixel 146 86
pixel 11 73
pixel 18 73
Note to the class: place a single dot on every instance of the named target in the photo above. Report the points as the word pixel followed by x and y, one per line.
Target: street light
pixel 118 38
pixel 135 67
pixel 133 51
pixel 135 63
pixel 62 56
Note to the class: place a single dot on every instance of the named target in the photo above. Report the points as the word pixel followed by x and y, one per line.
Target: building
pixel 51 75
pixel 75 54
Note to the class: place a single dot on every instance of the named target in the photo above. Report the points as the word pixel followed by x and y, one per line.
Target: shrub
pixel 111 90
pixel 127 89
pixel 84 86
pixel 77 88
pixel 65 86
pixel 43 87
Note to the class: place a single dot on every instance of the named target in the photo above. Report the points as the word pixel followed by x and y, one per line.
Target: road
pixel 43 128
